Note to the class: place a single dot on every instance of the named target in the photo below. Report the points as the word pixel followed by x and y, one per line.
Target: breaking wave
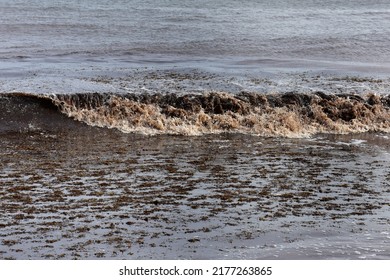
pixel 289 114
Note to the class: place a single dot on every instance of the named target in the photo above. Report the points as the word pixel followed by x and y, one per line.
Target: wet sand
pixel 89 193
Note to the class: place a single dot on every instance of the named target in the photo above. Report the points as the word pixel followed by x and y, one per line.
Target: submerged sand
pixel 90 193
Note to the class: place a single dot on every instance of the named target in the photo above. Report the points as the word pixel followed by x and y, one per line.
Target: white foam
pixel 358 141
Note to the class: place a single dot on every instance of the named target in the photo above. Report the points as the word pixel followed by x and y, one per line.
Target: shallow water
pixel 90 193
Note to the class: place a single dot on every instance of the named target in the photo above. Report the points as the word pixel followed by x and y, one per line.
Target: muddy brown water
pixel 91 193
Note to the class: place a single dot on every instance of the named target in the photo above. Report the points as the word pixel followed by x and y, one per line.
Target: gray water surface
pixel 57 46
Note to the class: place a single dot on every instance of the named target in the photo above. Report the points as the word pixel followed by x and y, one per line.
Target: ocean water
pixel 65 46
pixel 194 129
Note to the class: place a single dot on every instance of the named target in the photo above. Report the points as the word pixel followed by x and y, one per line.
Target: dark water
pixel 194 129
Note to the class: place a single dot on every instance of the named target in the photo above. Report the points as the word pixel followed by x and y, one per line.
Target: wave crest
pixel 288 115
